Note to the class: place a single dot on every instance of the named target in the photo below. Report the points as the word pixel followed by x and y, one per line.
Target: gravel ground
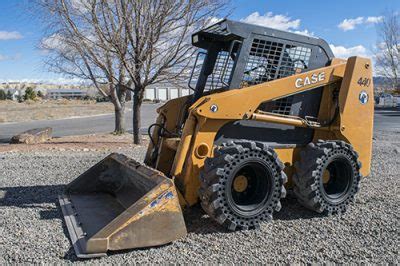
pixel 32 230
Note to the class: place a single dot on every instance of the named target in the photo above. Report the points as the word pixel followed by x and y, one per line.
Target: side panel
pixel 356 102
pixel 354 123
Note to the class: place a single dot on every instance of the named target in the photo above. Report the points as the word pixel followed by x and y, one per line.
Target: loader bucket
pixel 121 204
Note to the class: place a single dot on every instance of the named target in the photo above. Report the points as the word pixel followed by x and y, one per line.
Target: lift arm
pixel 242 103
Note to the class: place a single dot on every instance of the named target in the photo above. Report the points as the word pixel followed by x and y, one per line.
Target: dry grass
pixel 11 111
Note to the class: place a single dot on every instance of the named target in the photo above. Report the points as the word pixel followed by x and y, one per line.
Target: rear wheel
pixel 327 177
pixel 242 185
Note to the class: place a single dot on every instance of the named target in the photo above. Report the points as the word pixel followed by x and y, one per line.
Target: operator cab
pixel 236 55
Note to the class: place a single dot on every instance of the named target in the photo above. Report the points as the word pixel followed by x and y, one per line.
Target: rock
pixel 397 150
pixel 33 136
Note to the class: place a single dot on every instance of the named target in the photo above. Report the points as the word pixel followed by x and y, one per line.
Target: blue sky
pixel 348 25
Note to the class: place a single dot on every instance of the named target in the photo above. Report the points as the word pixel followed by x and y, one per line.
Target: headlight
pixel 195 39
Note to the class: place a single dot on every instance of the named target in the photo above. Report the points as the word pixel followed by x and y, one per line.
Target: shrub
pixel 30 94
pixel 3 95
pixel 9 95
pixel 20 99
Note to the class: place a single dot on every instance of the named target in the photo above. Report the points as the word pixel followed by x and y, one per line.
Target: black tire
pixel 257 199
pixel 335 161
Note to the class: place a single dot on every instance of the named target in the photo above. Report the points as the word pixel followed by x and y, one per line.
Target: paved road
pixel 80 126
pixel 385 119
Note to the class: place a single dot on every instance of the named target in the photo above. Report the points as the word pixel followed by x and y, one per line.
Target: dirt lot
pixel 11 111
pixel 32 229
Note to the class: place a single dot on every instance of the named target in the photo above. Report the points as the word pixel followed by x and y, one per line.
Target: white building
pixel 165 91
pixel 387 100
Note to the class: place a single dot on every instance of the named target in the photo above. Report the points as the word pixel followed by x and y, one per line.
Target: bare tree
pixel 78 45
pixel 127 44
pixel 388 49
pixel 159 42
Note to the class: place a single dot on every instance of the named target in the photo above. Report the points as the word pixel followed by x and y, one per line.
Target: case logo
pixel 313 79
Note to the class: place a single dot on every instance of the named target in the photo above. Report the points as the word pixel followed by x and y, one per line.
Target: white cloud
pixel 280 22
pixel 9 58
pixel 52 42
pixel 80 5
pixel 345 52
pixel 374 20
pixel 55 43
pixel 10 35
pixel 352 23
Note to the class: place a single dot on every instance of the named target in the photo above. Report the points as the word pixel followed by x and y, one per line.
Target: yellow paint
pixel 326 176
pixel 240 183
pixel 164 204
pixel 202 150
pixel 356 119
pixel 353 124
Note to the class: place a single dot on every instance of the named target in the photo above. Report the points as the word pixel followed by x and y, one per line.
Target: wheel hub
pixel 326 176
pixel 240 183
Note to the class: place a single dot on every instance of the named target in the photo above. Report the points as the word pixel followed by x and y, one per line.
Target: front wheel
pixel 242 185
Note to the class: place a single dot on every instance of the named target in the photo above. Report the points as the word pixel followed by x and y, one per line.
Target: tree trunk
pixel 137 138
pixel 119 121
pixel 120 112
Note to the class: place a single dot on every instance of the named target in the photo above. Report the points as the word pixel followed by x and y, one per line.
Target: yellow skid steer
pixel 270 111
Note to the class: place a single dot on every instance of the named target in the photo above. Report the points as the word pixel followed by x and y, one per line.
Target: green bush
pixel 3 95
pixel 40 94
pixel 9 95
pixel 30 94
pixel 20 99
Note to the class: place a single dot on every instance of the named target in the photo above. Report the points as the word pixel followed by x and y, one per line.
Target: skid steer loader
pixel 270 111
